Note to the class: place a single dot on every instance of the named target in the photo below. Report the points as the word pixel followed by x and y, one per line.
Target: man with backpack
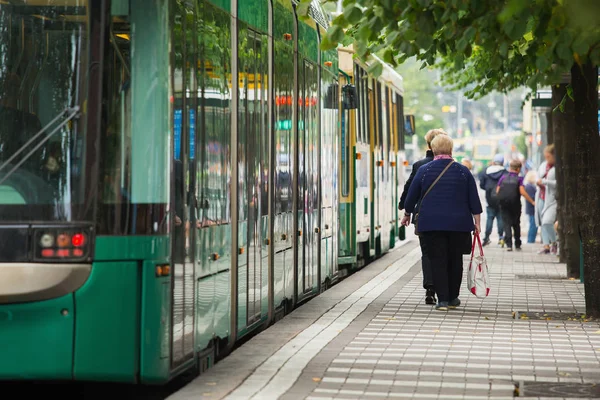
pixel 509 191
pixel 488 181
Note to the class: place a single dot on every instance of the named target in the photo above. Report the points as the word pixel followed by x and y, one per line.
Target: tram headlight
pixel 47 240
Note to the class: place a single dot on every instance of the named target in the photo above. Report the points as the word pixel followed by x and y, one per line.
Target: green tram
pixel 373 178
pixel 172 178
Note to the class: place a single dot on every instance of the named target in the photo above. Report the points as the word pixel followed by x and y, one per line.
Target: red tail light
pixel 78 240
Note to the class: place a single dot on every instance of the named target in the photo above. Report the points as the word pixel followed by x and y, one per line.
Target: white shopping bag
pixel 478 280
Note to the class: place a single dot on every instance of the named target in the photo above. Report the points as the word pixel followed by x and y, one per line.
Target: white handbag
pixel 478 280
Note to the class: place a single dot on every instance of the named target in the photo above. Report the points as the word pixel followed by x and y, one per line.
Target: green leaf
pixel 303 7
pixel 335 34
pixel 388 56
pixel 327 44
pixel 424 41
pixel 564 52
pixel 375 69
pixel 503 49
pixel 542 63
pixel 470 33
pixel 461 45
pixel 353 14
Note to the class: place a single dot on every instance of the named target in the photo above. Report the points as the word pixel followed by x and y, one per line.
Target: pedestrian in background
pixel 488 181
pixel 545 209
pixel 467 163
pixel 530 188
pixel 449 211
pixel 510 189
pixel 425 264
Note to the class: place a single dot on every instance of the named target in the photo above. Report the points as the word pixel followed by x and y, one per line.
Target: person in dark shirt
pixel 509 191
pixel 530 188
pixel 450 210
pixel 425 264
pixel 488 181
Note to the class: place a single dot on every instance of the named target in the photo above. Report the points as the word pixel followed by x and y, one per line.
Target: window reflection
pixel 43 52
pixel 214 115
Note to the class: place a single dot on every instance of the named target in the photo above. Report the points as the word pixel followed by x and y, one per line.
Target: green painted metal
pixel 150 105
pixel 155 322
pixel 223 4
pixel 255 13
pixel 119 7
pixel 347 260
pixel 108 318
pixel 37 339
pixel 402 233
pixel 112 248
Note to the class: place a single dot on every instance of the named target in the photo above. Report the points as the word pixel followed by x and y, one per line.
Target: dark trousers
pixel 493 213
pixel 445 252
pixel 512 223
pixel 426 267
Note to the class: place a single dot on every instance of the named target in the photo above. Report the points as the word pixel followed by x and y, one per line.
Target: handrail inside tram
pixel 73 113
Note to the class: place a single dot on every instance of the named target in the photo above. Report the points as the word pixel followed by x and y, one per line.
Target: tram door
pixel 308 177
pixel 183 218
pixel 253 169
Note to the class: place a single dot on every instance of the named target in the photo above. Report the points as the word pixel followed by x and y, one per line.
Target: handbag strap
pixel 433 184
pixel 476 241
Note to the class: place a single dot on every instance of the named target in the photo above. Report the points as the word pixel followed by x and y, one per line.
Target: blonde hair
pixel 442 145
pixel 467 163
pixel 549 149
pixel 531 177
pixel 429 136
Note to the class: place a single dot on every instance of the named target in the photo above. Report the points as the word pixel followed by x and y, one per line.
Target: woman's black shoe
pixel 430 297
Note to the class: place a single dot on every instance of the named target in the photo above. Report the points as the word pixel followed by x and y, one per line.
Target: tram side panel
pixel 284 143
pixel 307 130
pixel 213 173
pixel 253 161
pixel 329 101
pixel 364 158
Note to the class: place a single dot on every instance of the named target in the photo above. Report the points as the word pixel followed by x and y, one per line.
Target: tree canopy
pixel 495 45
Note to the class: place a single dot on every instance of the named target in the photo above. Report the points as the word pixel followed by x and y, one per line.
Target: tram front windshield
pixel 43 66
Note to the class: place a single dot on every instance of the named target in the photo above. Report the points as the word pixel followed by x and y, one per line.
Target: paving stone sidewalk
pixel 401 348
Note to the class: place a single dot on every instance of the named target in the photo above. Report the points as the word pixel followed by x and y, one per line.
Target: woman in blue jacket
pixel 449 211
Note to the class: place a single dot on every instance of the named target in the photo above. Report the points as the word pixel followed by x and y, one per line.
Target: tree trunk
pixel 563 126
pixel 584 80
pixel 549 121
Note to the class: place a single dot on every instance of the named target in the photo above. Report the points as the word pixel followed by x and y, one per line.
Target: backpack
pixel 490 192
pixel 509 195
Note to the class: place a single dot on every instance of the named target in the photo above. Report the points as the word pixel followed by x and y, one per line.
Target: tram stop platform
pixel 372 337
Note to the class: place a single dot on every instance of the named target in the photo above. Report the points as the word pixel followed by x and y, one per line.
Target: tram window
pixel 357 82
pixel 365 106
pixel 379 117
pixel 214 115
pixel 346 154
pixel 115 164
pixel 43 60
pixel 389 108
pixel 400 122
